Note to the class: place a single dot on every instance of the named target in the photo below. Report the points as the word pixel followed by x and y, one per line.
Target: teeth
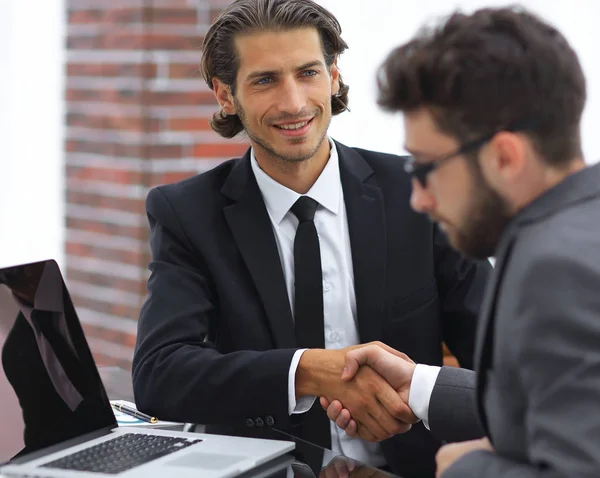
pixel 293 126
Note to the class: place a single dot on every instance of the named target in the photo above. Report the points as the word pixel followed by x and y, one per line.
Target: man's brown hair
pixel 483 72
pixel 220 58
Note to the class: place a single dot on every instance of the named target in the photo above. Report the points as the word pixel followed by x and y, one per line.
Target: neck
pixel 549 178
pixel 297 176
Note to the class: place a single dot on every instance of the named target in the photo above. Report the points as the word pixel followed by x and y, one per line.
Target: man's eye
pixel 264 81
pixel 310 73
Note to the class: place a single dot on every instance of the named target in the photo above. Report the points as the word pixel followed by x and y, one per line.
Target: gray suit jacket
pixel 536 392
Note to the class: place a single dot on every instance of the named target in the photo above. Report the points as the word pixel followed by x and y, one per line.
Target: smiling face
pixel 283 93
pixel 457 196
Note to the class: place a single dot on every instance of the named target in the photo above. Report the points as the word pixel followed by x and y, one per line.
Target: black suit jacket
pixel 215 336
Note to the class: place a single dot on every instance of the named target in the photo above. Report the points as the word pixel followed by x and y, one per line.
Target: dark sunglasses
pixel 420 171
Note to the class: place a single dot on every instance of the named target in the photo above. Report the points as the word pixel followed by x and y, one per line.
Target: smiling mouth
pixel 293 126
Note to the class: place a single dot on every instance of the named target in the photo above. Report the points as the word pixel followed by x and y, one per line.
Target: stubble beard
pixel 489 217
pixel 270 149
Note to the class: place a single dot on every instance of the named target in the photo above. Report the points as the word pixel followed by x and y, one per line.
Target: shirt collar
pixel 279 199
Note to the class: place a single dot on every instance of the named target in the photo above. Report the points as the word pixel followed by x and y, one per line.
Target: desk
pixel 309 458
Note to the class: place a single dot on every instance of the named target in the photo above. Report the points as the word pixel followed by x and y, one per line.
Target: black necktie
pixel 308 288
pixel 308 307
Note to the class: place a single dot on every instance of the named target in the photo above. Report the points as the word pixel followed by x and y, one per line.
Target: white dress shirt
pixel 421 388
pixel 339 301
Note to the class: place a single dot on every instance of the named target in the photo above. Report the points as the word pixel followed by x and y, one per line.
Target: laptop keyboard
pixel 122 453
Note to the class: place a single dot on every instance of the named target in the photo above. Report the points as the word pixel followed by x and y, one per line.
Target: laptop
pixel 56 418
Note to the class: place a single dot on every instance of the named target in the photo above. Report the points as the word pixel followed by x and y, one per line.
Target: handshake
pixel 364 388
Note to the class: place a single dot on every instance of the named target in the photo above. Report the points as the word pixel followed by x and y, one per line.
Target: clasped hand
pixel 371 401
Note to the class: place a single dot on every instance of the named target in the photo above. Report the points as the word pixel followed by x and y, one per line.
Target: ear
pixel 334 72
pixel 504 159
pixel 224 97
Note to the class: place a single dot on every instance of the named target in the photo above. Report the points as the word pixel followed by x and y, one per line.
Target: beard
pixel 488 216
pixel 302 154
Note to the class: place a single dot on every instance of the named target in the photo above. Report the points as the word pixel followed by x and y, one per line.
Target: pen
pixel 134 413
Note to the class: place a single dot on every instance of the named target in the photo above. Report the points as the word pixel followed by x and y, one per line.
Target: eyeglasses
pixel 420 171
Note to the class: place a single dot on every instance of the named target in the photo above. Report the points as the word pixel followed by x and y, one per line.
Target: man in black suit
pixel 267 269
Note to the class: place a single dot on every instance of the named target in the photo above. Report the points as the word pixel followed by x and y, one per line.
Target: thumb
pixel 357 357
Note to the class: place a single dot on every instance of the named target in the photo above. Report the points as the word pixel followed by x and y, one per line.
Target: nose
pixel 292 98
pixel 420 199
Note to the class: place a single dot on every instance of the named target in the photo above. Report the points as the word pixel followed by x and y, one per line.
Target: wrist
pixel 316 369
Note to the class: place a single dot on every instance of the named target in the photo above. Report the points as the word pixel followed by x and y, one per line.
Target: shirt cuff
pixel 421 388
pixel 303 404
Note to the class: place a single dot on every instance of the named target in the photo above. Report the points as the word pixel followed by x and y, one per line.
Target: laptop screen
pixel 50 389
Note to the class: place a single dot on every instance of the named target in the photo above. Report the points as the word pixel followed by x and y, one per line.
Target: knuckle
pixel 398 410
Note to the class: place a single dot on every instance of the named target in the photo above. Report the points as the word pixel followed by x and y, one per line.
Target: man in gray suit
pixel 492 104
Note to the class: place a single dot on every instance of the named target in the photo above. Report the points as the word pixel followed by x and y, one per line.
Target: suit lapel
pixel 366 226
pixel 484 344
pixel 253 233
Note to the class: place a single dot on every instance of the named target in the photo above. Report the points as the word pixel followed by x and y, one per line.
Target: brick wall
pixel 137 116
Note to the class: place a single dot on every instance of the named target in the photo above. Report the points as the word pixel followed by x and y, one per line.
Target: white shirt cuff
pixel 421 388
pixel 303 404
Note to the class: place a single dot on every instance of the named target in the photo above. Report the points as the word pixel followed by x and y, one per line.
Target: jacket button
pixel 259 422
pixel 270 420
pixel 249 423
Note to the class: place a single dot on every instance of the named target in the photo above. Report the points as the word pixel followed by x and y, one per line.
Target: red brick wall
pixel 137 116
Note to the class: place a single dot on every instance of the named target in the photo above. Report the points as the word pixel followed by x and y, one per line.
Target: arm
pixel 453 414
pixel 461 285
pixel 178 374
pixel 559 369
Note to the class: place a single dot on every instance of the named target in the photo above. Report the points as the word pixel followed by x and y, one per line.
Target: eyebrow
pixel 261 74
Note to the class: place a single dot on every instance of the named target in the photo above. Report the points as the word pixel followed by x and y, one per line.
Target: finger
pixel 365 434
pixel 372 425
pixel 388 423
pixel 324 403
pixel 328 472
pixel 394 406
pixel 364 471
pixel 367 355
pixel 334 410
pixel 343 419
pixel 390 412
pixel 341 468
pixel 393 351
pixel 352 429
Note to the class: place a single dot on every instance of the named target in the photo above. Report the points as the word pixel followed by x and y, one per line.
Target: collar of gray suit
pixel 577 187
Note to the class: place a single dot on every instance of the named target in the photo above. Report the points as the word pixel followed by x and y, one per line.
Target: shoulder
pixel 392 163
pixel 568 236
pixel 387 168
pixel 201 190
pixel 556 260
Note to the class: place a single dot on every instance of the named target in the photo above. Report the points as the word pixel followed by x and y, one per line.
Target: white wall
pixel 373 27
pixel 31 130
